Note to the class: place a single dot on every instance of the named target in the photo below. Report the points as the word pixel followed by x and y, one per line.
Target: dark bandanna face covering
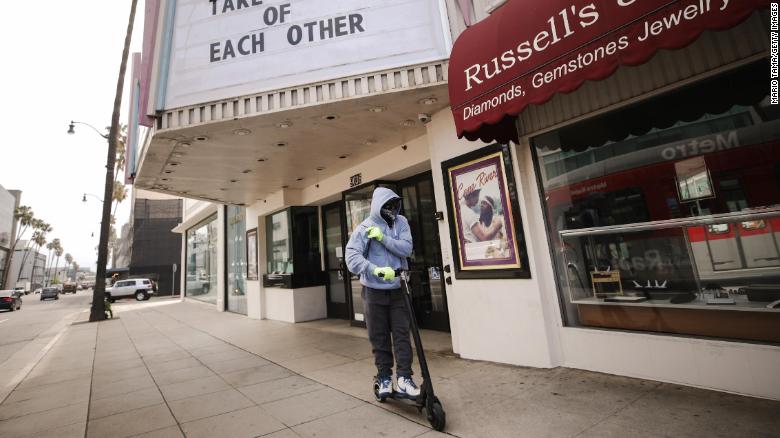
pixel 390 210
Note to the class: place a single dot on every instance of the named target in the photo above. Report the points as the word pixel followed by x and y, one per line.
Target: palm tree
pixel 68 262
pixel 119 195
pixel 24 215
pixel 97 311
pixel 49 260
pixel 40 240
pixel 58 251
pixel 112 244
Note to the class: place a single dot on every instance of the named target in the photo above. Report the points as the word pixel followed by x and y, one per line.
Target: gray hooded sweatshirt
pixel 364 254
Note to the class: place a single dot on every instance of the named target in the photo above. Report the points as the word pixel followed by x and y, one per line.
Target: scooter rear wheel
pixel 436 415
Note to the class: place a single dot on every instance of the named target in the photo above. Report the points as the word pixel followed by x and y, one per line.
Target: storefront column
pixel 183 266
pixel 511 314
pixel 221 218
pixel 254 288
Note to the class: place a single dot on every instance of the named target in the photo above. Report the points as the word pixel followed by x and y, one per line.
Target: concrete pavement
pixel 171 369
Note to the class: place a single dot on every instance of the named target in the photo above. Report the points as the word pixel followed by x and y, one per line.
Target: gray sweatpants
pixel 386 314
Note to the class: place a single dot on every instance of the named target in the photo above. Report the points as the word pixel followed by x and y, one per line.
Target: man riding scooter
pixel 377 248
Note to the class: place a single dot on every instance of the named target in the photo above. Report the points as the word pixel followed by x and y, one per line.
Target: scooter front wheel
pixel 436 415
pixel 376 391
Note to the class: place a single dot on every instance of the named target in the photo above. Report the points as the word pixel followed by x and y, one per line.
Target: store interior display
pixel 668 206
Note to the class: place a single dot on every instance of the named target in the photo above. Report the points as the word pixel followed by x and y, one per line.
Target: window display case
pixel 664 216
pixel 293 249
pixel 724 268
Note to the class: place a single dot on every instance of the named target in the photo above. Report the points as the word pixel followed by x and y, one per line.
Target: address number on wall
pixel 356 180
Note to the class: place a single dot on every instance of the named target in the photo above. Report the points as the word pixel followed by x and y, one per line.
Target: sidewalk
pixel 171 369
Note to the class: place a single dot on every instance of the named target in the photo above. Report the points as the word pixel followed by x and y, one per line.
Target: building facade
pixel 9 201
pixel 620 220
pixel 154 248
pixel 28 267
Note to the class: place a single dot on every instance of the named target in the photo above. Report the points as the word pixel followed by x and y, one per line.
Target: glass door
pixel 357 207
pixel 334 262
pixel 235 251
pixel 425 265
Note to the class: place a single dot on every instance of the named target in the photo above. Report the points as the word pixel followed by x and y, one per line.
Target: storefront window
pixel 293 248
pixel 666 216
pixel 279 249
pixel 236 259
pixel 201 270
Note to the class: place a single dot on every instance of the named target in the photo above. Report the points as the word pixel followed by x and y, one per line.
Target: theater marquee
pixel 229 48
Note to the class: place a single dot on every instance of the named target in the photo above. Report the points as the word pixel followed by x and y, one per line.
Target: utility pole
pixel 97 312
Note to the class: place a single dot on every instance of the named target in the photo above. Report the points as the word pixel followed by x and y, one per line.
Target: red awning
pixel 529 50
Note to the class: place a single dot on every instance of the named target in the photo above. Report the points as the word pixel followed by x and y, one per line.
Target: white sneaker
pixel 407 387
pixel 385 387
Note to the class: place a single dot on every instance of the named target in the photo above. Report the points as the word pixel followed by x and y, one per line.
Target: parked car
pixel 50 292
pixel 11 300
pixel 69 288
pixel 22 290
pixel 37 291
pixel 140 288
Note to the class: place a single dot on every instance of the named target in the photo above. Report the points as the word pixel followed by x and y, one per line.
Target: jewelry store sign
pixel 230 48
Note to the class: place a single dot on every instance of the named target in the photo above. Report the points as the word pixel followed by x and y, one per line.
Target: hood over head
pixel 379 198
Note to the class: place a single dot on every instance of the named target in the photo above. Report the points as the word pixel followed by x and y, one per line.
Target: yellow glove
pixel 387 273
pixel 374 233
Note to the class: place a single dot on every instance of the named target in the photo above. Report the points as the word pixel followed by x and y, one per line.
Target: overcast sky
pixel 61 62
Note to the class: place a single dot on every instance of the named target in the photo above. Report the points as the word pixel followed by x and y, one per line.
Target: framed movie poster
pixel 251 254
pixel 485 225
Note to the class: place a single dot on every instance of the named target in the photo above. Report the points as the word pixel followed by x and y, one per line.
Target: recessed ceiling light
pixel 242 132
pixel 233 180
pixel 284 125
pixel 260 160
pixel 173 163
pixel 299 179
pixel 246 170
pixel 281 144
pixel 407 123
pixel 184 144
pixel 341 157
pixel 201 138
pixel 284 187
pixel 222 190
pixel 428 101
pixel 377 109
pixel 330 117
pixel 177 155
pixel 370 142
pixel 168 171
pixel 321 168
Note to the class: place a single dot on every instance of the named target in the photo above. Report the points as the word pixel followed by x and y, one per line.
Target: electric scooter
pixel 427 399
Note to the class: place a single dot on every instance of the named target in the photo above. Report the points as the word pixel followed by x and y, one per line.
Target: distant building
pixel 154 247
pixel 9 200
pixel 27 266
pixel 123 247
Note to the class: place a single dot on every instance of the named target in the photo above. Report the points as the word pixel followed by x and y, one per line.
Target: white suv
pixel 140 288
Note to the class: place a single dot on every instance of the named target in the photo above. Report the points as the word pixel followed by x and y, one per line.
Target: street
pixel 21 327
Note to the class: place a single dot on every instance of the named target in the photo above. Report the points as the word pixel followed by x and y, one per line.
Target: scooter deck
pixel 395 395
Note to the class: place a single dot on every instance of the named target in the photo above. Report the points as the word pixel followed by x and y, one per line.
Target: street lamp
pixel 84 198
pixel 72 130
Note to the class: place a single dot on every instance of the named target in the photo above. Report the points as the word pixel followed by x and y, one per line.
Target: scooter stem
pixel 428 387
